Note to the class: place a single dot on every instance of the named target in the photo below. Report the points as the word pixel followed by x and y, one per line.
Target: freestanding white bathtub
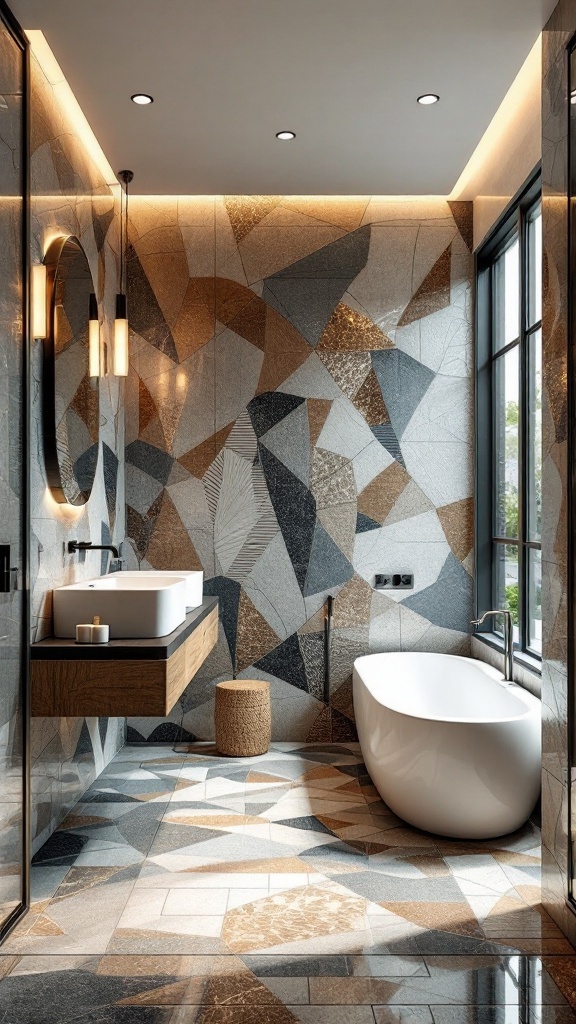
pixel 450 746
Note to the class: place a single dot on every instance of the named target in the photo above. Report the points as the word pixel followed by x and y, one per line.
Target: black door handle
pixel 6 570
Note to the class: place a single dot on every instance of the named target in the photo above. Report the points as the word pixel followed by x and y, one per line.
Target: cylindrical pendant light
pixel 121 330
pixel 38 303
pixel 121 338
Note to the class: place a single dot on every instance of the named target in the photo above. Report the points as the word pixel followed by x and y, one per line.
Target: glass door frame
pixel 11 25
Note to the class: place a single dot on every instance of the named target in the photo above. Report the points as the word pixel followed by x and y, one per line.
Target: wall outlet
pixel 394 581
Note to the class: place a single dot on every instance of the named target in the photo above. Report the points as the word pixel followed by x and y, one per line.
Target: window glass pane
pixel 534 452
pixel 507 296
pixel 535 599
pixel 506 444
pixel 535 267
pixel 506 574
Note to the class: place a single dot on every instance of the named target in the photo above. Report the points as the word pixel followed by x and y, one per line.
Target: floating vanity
pixel 123 677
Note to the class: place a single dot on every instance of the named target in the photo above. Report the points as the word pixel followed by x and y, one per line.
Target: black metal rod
pixel 327 639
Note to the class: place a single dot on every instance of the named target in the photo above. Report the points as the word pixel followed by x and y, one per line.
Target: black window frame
pixel 513 222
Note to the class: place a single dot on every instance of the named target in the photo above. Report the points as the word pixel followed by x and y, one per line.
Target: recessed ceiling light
pixel 285 135
pixel 428 99
pixel 142 99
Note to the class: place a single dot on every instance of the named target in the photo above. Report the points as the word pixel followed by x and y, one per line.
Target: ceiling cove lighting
pixel 121 360
pixel 428 99
pixel 142 99
pixel 285 136
pixel 66 102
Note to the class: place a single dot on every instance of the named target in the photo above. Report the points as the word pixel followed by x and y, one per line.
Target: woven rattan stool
pixel 242 717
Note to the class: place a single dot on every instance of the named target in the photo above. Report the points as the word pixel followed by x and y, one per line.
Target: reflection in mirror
pixel 71 387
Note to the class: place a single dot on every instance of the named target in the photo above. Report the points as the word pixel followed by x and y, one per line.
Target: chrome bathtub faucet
pixel 508 639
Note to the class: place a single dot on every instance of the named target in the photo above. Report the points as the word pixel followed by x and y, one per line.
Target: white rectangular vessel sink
pixel 194 581
pixel 139 608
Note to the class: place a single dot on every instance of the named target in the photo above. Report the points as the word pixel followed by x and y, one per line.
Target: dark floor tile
pixel 128 1015
pixel 97 796
pixel 278 966
pixel 62 996
pixel 437 943
pixel 60 849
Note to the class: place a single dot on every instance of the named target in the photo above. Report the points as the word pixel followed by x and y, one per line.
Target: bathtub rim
pixel 533 704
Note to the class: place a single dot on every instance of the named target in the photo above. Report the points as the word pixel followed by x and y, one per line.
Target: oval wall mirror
pixel 71 401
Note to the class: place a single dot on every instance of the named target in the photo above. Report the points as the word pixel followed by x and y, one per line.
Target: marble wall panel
pixel 555 550
pixel 315 377
pixel 70 196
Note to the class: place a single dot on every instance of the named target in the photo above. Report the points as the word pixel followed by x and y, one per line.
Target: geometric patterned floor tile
pixel 289 860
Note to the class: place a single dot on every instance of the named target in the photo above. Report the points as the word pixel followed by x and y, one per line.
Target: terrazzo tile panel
pixel 299 418
pixel 70 196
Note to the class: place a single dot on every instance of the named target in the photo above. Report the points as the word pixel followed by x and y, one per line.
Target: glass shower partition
pixel 14 603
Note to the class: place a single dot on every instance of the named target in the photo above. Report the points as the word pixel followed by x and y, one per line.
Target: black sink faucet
pixel 87 545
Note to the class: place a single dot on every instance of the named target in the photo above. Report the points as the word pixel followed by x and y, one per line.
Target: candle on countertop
pixel 93 632
pixel 100 634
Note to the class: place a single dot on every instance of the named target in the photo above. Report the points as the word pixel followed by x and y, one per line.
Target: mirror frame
pixel 52 465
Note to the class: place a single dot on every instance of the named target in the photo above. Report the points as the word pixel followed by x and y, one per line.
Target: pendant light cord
pixel 126 177
pixel 123 243
pixel 125 235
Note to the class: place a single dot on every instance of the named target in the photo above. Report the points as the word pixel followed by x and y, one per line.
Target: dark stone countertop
pixel 155 649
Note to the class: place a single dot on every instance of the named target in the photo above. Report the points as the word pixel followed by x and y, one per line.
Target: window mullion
pixel 523 413
pixel 503 490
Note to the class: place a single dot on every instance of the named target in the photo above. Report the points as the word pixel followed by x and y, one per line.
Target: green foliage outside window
pixel 511 603
pixel 511 458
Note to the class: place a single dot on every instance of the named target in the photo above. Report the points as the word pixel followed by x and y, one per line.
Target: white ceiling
pixel 226 75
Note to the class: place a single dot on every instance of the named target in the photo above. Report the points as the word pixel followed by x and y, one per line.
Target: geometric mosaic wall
pixel 557 720
pixel 69 196
pixel 299 418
